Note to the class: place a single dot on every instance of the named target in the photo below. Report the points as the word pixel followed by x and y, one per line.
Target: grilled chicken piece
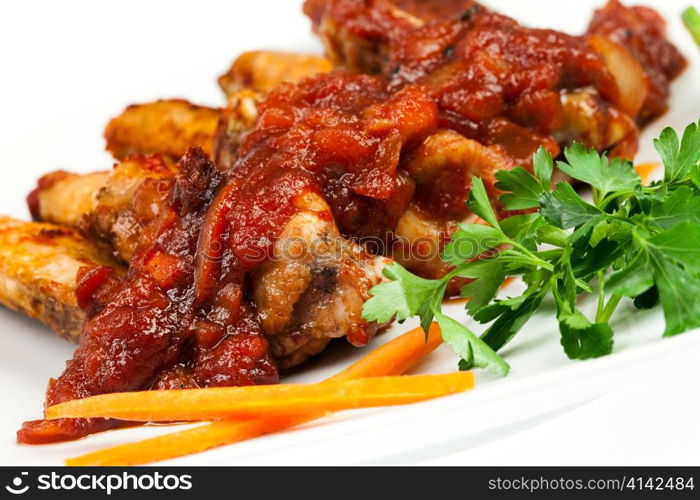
pixel 166 127
pixel 358 46
pixel 141 328
pixel 109 208
pixel 63 197
pixel 642 31
pixel 442 168
pixel 418 10
pixel 304 300
pixel 39 265
pixel 313 288
pixel 169 127
pixel 420 238
pixel 593 121
pixel 436 11
pixel 261 71
pixel 129 200
pixel 352 43
pixel 481 66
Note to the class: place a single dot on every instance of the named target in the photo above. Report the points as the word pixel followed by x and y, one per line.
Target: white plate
pixel 637 406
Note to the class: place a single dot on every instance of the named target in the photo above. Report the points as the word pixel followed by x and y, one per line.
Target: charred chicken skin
pixel 252 265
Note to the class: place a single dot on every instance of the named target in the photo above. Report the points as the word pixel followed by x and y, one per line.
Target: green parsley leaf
pixel 691 19
pixel 648 236
pixel 401 298
pixel 473 351
pixel 678 292
pixel 511 317
pixel 565 208
pixel 596 258
pixel 480 204
pixel 543 166
pixel 488 277
pixel 522 189
pixel 523 228
pixel 471 241
pixel 602 230
pixel 681 243
pixel 582 339
pixel 588 166
pixel 634 279
pixel 679 157
pixel 695 175
pixel 679 206
pixel 552 235
pixel 672 258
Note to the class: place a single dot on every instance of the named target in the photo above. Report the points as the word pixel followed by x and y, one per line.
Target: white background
pixel 67 67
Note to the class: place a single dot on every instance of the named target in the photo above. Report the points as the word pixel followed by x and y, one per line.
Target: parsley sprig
pixel 632 241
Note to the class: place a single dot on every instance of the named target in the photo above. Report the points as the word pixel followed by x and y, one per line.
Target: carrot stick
pixel 187 442
pixel 394 358
pixel 225 403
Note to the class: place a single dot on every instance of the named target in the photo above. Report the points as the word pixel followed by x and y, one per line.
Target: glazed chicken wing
pixel 166 127
pixel 237 119
pixel 261 71
pixel 482 66
pixel 62 197
pixel 39 268
pixel 111 208
pixel 313 287
pixel 312 290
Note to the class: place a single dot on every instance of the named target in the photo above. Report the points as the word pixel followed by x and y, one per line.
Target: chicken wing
pixel 483 67
pixel 313 287
pixel 251 77
pixel 261 71
pixel 39 266
pixel 63 198
pixel 443 167
pixel 304 298
pixel 109 208
pixel 166 127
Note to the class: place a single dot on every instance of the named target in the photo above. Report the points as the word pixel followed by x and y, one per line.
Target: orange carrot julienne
pixel 263 400
pixel 187 442
pixel 393 358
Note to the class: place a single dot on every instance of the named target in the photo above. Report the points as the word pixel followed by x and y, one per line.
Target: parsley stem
pixel 549 254
pixel 535 259
pixel 601 296
pixel 610 307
